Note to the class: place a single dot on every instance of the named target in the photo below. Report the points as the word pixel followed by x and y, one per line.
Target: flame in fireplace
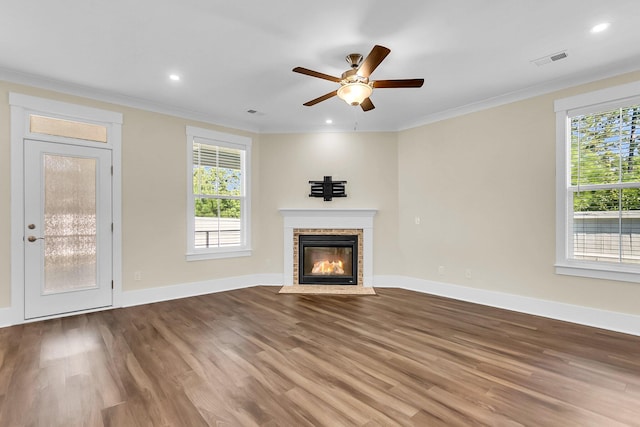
pixel 327 267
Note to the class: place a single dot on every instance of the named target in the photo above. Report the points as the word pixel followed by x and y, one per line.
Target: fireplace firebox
pixel 328 259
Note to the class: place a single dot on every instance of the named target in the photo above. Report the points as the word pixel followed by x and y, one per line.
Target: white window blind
pixel 214 156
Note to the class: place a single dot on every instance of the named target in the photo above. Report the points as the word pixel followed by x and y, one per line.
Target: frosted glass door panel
pixel 67 228
pixel 69 223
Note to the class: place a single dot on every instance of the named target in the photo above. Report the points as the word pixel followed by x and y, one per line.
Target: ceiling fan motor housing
pixel 354 88
pixel 354 60
pixel 352 75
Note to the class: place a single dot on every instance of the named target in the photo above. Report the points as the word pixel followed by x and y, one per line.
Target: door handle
pixel 34 238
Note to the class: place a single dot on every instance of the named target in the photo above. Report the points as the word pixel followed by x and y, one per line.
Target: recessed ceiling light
pixel 600 27
pixel 174 77
pixel 328 121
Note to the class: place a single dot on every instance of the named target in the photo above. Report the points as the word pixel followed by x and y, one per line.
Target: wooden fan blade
pixel 381 84
pixel 321 98
pixel 371 62
pixel 315 74
pixel 367 105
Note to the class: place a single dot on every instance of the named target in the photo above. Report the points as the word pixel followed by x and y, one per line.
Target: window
pixel 218 203
pixel 598 189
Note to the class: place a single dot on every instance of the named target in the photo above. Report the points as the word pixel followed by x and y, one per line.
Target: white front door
pixel 67 228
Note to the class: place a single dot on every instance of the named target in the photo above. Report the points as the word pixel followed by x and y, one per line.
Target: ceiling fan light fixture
pixel 354 93
pixel 355 86
pixel 600 27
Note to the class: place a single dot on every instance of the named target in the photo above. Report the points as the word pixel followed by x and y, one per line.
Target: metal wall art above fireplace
pixel 328 259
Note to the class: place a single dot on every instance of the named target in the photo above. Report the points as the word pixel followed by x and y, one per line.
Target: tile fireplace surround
pixel 328 221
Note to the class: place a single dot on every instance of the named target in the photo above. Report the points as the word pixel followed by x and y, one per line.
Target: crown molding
pixel 527 93
pixel 40 82
pixel 27 79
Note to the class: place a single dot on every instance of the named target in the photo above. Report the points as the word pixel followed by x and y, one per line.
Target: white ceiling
pixel 234 56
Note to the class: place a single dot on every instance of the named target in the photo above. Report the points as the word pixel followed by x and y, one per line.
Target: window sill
pixel 227 253
pixel 599 271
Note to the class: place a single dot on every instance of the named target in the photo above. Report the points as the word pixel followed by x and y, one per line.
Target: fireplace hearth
pixel 328 259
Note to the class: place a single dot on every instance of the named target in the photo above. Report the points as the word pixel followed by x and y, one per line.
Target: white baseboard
pixel 614 321
pixel 6 317
pixel 611 320
pixel 166 293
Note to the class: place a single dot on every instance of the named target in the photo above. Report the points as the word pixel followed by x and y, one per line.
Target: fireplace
pixel 328 259
pixel 354 230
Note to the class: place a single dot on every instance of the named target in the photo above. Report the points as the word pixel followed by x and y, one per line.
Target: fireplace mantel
pixel 329 219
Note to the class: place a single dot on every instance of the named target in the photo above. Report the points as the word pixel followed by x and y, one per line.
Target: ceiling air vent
pixel 550 58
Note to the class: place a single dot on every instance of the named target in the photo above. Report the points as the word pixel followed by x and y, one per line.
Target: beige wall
pixel 367 161
pixel 484 186
pixel 154 205
pixel 153 198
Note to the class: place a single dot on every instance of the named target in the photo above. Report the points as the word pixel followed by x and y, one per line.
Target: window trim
pixel 586 103
pixel 224 140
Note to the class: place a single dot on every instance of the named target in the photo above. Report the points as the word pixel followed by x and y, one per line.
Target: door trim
pixel 21 107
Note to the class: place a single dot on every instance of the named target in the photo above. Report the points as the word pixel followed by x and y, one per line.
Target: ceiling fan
pixel 355 86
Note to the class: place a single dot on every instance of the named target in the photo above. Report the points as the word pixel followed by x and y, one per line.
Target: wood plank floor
pixel 253 357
